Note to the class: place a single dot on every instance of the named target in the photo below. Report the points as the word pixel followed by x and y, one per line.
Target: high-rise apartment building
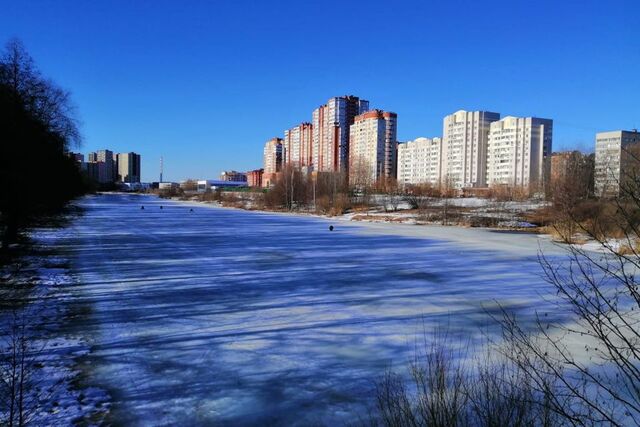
pixel 372 147
pixel 464 147
pixel 330 141
pixel 519 151
pixel 298 146
pixel 273 154
pixel 616 164
pixel 101 166
pixel 128 167
pixel 419 161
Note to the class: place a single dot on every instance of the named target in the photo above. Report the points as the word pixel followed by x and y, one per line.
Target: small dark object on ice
pixel 331 228
pixel 160 206
pixel 191 210
pixel 141 207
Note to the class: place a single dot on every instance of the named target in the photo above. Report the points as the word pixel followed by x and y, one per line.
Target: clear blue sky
pixel 206 83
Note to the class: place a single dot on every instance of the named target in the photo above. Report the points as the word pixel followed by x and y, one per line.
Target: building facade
pixel 331 132
pixel 101 167
pixel 372 147
pixel 128 167
pixel 298 146
pixel 273 155
pixel 233 176
pixel 571 169
pixel 464 147
pixel 419 161
pixel 616 163
pixel 254 178
pixel 519 152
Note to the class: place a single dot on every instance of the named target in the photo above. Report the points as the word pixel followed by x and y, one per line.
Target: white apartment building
pixel 372 147
pixel 464 147
pixel 615 164
pixel 330 135
pixel 297 145
pixel 419 161
pixel 519 151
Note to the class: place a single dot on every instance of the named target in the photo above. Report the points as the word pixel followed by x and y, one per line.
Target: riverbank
pixel 36 320
pixel 521 240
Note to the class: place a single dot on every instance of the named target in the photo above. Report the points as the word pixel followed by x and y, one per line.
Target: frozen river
pixel 232 317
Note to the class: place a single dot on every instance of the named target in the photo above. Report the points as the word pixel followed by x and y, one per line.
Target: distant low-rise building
pixel 205 185
pixel 78 157
pixel 233 176
pixel 617 161
pixel 168 185
pixel 254 178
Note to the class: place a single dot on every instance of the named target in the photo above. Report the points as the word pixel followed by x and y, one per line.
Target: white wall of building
pixel 518 151
pixel 419 161
pixel 464 147
pixel 610 153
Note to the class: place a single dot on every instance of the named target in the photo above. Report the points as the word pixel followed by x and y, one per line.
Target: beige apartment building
pixel 297 146
pixel 330 134
pixel 616 164
pixel 518 151
pixel 128 167
pixel 272 160
pixel 419 161
pixel 464 147
pixel 372 147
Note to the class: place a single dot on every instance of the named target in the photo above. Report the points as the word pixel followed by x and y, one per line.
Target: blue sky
pixel 206 83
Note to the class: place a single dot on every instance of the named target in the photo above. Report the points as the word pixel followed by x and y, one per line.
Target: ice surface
pixel 237 317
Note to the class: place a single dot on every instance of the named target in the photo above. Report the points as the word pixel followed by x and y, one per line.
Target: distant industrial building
pixel 206 185
pixel 617 161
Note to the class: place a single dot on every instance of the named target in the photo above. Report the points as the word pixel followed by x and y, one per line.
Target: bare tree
pixel 595 356
pixel 22 389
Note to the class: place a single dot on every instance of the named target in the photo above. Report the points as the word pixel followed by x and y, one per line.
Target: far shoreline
pixel 510 241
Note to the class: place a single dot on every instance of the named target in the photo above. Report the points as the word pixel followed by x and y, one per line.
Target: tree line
pixel 38 125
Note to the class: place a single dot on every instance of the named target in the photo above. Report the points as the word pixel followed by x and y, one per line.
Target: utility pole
pixel 161 167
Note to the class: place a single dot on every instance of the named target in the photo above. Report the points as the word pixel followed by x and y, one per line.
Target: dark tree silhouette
pixel 37 126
